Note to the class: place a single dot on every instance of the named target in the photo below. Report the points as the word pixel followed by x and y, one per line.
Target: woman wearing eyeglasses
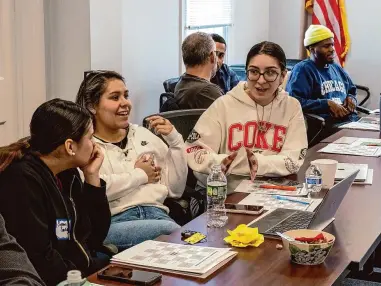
pixel 257 128
pixel 140 170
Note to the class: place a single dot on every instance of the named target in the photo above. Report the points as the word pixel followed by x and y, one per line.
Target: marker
pixel 275 187
pixel 290 200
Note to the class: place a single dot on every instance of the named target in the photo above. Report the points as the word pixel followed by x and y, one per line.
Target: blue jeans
pixel 138 224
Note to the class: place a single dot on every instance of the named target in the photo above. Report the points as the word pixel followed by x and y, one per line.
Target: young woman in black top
pixel 57 218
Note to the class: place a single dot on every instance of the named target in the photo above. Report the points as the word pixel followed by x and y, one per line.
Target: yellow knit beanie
pixel 316 34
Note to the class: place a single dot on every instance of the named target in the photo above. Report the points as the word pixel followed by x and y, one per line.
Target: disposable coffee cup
pixel 328 171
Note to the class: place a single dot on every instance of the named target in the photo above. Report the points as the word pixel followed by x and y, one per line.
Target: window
pixel 209 16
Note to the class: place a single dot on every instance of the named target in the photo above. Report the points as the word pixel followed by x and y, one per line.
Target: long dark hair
pixel 93 86
pixel 270 49
pixel 52 124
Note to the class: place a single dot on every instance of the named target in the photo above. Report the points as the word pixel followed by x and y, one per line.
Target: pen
pixel 291 200
pixel 276 187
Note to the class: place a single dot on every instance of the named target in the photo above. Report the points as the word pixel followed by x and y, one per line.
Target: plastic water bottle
pixel 216 192
pixel 74 278
pixel 313 179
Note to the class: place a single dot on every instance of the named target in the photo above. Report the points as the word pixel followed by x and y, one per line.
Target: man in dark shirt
pixel 225 77
pixel 15 267
pixel 194 90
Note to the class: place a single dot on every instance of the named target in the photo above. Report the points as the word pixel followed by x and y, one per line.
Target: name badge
pixel 63 229
pixel 337 100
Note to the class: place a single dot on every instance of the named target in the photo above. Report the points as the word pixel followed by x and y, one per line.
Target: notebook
pixel 345 169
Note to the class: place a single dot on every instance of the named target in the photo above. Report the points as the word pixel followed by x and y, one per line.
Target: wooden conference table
pixel 357 228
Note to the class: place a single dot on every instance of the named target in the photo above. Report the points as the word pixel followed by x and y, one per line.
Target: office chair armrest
pixel 363 110
pixel 314 117
pixel 367 91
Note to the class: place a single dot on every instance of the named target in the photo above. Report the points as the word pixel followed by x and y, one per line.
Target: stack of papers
pixel 188 260
pixel 366 151
pixel 274 202
pixel 367 147
pixel 365 175
pixel 371 123
pixel 247 186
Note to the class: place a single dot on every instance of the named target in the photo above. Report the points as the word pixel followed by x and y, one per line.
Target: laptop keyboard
pixel 298 220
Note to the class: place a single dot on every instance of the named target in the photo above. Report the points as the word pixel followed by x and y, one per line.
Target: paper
pixel 270 203
pixel 361 126
pixel 346 169
pixel 346 140
pixel 356 141
pixel 375 120
pixel 368 181
pixel 247 186
pixel 355 150
pixel 171 256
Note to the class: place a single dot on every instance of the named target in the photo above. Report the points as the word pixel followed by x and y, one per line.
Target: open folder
pixel 186 260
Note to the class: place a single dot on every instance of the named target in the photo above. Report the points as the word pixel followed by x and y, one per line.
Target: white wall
pixel 8 95
pixel 22 60
pixel 67 30
pixel 286 25
pixel 150 47
pixel 364 60
pixel 251 26
pixel 106 34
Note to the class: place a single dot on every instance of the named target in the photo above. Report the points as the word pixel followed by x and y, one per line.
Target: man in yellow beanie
pixel 320 84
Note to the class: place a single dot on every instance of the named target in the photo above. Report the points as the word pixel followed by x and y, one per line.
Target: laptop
pixel 282 220
pixel 345 169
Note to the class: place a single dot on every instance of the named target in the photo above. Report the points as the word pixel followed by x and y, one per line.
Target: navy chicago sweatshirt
pixel 313 86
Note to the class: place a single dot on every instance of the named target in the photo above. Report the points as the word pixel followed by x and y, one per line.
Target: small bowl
pixel 305 253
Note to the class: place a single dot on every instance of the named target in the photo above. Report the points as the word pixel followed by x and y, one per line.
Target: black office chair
pixel 164 97
pixel 192 203
pixel 168 102
pixel 170 84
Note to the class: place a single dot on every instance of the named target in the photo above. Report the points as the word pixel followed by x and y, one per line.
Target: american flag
pixel 332 14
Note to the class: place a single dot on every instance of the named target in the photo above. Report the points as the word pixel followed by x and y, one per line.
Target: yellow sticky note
pixel 197 237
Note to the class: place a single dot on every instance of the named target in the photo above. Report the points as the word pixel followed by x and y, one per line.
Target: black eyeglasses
pixel 268 75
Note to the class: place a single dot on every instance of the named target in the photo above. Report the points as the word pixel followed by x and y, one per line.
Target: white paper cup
pixel 328 170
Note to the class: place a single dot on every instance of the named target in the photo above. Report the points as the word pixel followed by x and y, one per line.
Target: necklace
pixel 261 123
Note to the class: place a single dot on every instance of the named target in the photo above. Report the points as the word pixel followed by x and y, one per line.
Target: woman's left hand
pixel 160 125
pixel 91 170
pixel 253 164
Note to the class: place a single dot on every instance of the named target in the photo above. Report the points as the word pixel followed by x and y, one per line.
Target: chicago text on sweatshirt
pixel 314 86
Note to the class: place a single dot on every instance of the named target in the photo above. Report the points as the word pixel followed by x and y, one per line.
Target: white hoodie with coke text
pixel 231 123
pixel 126 186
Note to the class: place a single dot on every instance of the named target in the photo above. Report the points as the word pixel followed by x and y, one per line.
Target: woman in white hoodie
pixel 139 169
pixel 256 128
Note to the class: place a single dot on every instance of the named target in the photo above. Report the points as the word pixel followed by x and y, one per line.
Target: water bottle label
pixel 314 181
pixel 214 191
